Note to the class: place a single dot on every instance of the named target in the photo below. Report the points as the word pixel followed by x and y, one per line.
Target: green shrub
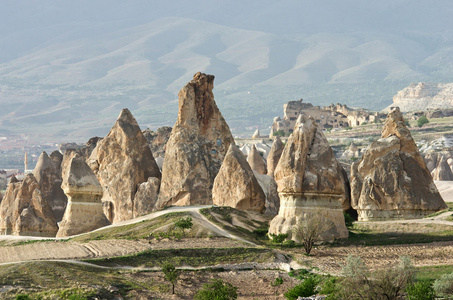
pixel 217 290
pixel 444 286
pixel 280 133
pixel 328 287
pixel 278 281
pixel 422 121
pixel 422 290
pixel 278 238
pixel 348 220
pixel 304 289
pixel 22 297
pixel 184 223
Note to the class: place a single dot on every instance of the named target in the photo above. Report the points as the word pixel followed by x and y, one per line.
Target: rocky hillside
pixel 423 96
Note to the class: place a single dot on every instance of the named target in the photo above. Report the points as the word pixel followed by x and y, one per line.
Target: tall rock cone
pixel 442 171
pixel 256 161
pixel 122 161
pixel 274 155
pixel 47 173
pixel 309 180
pixel 391 181
pixel 236 185
pixel 24 211
pixel 197 145
pixel 84 212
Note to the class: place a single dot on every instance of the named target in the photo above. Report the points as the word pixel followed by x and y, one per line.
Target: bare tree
pixel 309 229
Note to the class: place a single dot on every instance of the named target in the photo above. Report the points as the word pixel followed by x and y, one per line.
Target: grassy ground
pixel 433 272
pixel 252 227
pixel 135 231
pixel 371 234
pixel 188 257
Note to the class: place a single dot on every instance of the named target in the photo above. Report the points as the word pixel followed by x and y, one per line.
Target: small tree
pixel 184 223
pixel 309 229
pixel 170 274
pixel 422 121
pixel 218 290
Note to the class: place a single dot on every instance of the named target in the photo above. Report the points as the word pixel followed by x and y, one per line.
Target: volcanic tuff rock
pixel 423 96
pixel 121 161
pixel 274 155
pixel 256 161
pixel 391 180
pixel 146 196
pixel 270 190
pixel 84 211
pixel 48 176
pixel 198 143
pixel 85 151
pixel 57 159
pixel 309 178
pixel 236 185
pixel 442 170
pixel 157 140
pixel 24 211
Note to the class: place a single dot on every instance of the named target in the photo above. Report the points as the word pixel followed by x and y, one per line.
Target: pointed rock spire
pixel 23 210
pixel 391 181
pixel 309 178
pixel 197 145
pixel 236 185
pixel 48 176
pixel 256 161
pixel 274 155
pixel 123 160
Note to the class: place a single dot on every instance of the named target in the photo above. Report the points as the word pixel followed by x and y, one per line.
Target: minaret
pixel 26 162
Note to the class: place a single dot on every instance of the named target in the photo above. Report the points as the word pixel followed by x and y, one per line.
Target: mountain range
pixel 67 68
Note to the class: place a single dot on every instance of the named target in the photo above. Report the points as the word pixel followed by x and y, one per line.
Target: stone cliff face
pixel 84 212
pixel 423 96
pixel 391 181
pixel 236 186
pixel 310 179
pixel 122 161
pixel 196 148
pixel 24 211
pixel 48 174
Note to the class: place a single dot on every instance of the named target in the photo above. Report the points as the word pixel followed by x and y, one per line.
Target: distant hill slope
pixel 67 68
pixel 423 96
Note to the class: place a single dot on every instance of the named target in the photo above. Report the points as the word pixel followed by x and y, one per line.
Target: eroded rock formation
pixel 270 190
pixel 47 173
pixel 236 185
pixel 309 180
pixel 84 212
pixel 196 148
pixel 391 181
pixel 24 211
pixel 256 161
pixel 274 155
pixel 157 140
pixel 146 197
pixel 423 96
pixel 121 161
